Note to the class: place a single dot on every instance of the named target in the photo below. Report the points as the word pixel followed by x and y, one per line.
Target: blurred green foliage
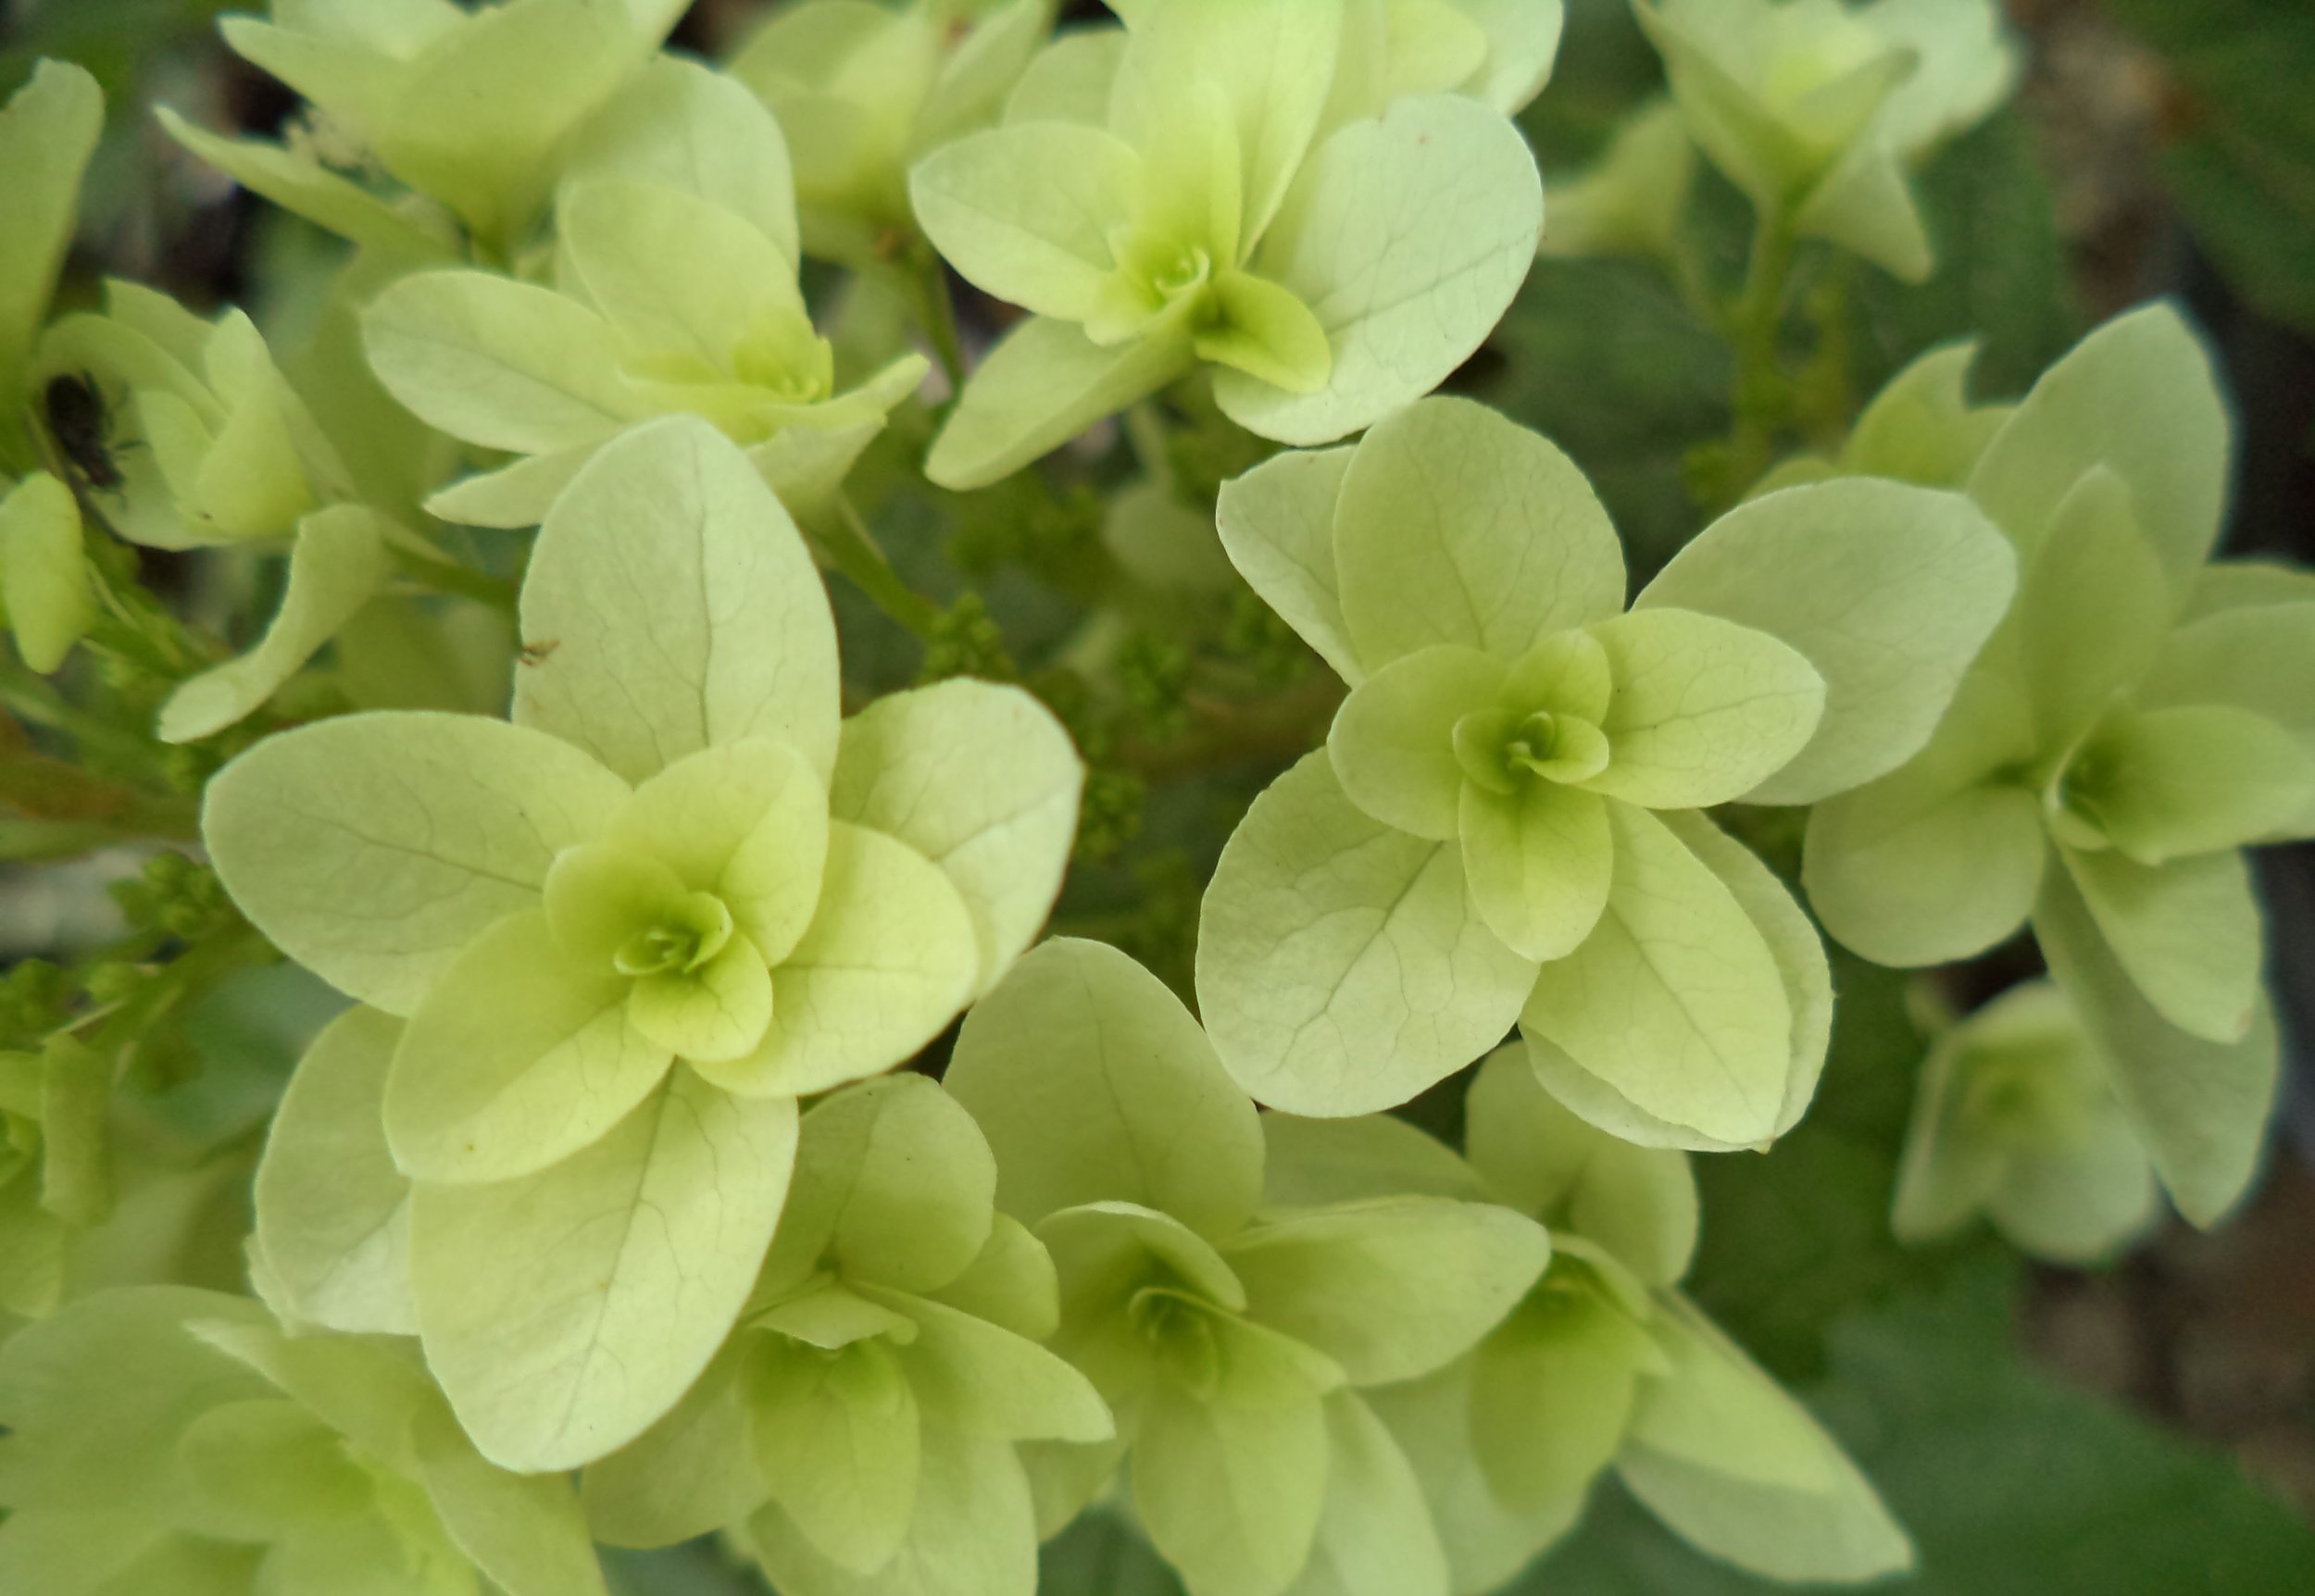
pixel 2240 162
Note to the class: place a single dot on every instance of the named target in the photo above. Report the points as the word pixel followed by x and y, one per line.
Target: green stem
pixel 1757 326
pixel 846 537
pixel 41 788
pixel 928 280
pixel 444 575
pixel 29 698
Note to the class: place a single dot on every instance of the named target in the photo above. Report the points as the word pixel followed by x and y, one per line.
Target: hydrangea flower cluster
pixel 707 1139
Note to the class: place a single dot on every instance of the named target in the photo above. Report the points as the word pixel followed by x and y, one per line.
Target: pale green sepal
pixel 1523 42
pixel 1539 863
pixel 373 848
pixel 365 1387
pixel 1230 1485
pixel 600 898
pixel 1012 1283
pixel 332 1211
pixel 1710 1406
pixel 1865 206
pixel 682 606
pixel 2093 608
pixel 1921 426
pixel 1456 526
pixel 1407 235
pixel 1969 63
pixel 1389 1289
pixel 515 496
pixel 1676 1000
pixel 1887 591
pixel 1066 1479
pixel 888 960
pixel 745 821
pixel 265 1470
pixel 1277 525
pixel 1313 1163
pixel 1632 200
pixel 684 126
pixel 982 1379
pixel 2189 932
pixel 1793 942
pixel 303 186
pixel 1638 1203
pixel 1375 1535
pixel 832 1317
pixel 983 65
pixel 476 117
pixel 43 572
pixel 566 1311
pixel 519 1057
pixel 2253 656
pixel 1341 966
pixel 1267 66
pixel 1941 858
pixel 525 1532
pixel 688 1475
pixel 48 130
pixel 1026 213
pixel 1392 743
pixel 504 364
pixel 1705 710
pixel 1070 80
pixel 2170 783
pixel 679 277
pixel 711 1015
pixel 341 559
pixel 973 1532
pixel 839 1440
pixel 1265 332
pixel 2139 397
pixel 65 1452
pixel 894 1187
pixel 1092 1082
pixel 1042 384
pixel 1487 1541
pixel 1739 1469
pixel 2201 1107
pixel 1553 1389
pixel 981 780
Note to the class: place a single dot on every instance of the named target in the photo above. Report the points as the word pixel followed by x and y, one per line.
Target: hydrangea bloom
pixel 2018 1122
pixel 1504 824
pixel 167 1438
pixel 1236 1345
pixel 2133 725
pixel 1603 1364
pixel 864 91
pixel 676 293
pixel 620 936
pixel 858 1430
pixel 1816 109
pixel 1171 204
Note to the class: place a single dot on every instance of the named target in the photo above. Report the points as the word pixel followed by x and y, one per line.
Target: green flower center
pixel 695 928
pixel 1164 267
pixel 2075 802
pixel 1179 1330
pixel 1503 750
